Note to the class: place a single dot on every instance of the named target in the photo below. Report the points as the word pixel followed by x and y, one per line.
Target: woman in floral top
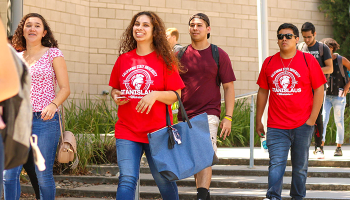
pixel 47 67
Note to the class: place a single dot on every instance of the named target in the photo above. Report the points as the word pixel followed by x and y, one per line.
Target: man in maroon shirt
pixel 202 92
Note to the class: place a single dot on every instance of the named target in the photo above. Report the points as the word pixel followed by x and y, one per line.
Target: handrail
pixel 241 96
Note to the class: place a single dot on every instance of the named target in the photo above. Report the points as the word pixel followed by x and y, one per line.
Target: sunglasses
pixel 288 36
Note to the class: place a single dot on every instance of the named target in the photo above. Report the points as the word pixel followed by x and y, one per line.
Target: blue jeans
pixel 338 104
pixel 129 156
pixel 48 133
pixel 279 141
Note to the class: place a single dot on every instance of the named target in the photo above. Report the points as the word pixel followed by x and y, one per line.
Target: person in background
pixel 323 56
pixel 29 166
pixel 172 35
pixel 38 47
pixel 143 80
pixel 339 85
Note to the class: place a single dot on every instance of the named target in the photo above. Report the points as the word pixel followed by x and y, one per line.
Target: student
pixel 339 85
pixel 172 35
pixel 202 92
pixel 143 80
pixel 289 76
pixel 39 49
pixel 323 56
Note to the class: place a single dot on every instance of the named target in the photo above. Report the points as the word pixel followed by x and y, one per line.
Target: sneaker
pixel 319 153
pixel 338 152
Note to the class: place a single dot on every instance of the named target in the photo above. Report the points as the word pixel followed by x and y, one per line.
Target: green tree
pixel 338 12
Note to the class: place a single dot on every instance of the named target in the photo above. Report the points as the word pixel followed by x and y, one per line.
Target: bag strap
pixel 61 122
pixel 171 140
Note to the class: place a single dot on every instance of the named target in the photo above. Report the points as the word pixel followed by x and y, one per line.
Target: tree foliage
pixel 338 12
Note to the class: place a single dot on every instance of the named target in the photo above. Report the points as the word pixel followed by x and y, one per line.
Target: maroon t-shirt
pixel 201 93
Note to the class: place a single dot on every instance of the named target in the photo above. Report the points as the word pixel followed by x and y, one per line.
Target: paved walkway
pixel 244 152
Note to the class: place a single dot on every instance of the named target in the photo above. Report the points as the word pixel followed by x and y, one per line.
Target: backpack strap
pixel 216 56
pixel 321 48
pixel 305 60
pixel 342 68
pixel 181 52
pixel 269 61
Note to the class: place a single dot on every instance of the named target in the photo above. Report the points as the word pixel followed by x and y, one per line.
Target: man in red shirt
pixel 202 78
pixel 289 77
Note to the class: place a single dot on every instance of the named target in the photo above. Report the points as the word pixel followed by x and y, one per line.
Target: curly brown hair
pixel 160 42
pixel 19 42
pixel 331 43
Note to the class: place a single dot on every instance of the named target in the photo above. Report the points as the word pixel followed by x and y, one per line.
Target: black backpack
pixel 215 52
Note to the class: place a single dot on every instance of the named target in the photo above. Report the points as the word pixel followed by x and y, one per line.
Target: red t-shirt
pixel 291 97
pixel 201 93
pixel 136 76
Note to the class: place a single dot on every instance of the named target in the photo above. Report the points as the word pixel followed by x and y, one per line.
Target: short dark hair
pixel 290 26
pixel 330 42
pixel 308 26
pixel 202 16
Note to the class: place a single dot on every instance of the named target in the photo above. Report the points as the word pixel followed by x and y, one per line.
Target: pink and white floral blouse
pixel 42 90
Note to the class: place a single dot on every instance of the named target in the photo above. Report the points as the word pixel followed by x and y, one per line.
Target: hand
pixel 48 112
pixel 2 123
pixel 225 126
pixel 260 129
pixel 147 102
pixel 118 101
pixel 310 122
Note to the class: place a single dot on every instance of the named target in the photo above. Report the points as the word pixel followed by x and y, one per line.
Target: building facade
pixel 88 32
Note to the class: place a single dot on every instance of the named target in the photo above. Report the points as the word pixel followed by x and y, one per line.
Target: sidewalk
pixel 244 153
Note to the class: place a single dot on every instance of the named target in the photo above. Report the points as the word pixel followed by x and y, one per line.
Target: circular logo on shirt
pixel 285 80
pixel 138 79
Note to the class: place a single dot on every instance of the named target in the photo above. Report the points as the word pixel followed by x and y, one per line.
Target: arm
pixel 9 81
pixel 229 96
pixel 346 63
pixel 60 67
pixel 328 69
pixel 317 103
pixel 167 97
pixel 260 107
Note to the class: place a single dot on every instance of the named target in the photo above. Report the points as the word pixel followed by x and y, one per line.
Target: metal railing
pixel 252 115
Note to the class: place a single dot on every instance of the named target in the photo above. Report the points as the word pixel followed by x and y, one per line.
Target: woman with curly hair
pixel 143 80
pixel 39 49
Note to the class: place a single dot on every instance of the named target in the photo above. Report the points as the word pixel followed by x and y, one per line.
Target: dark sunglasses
pixel 288 36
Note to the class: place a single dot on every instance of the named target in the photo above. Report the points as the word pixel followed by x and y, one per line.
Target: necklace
pixel 284 67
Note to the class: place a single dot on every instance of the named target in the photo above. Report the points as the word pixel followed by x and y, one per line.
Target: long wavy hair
pixel 18 40
pixel 160 43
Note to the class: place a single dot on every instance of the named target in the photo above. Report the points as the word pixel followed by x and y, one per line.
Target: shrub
pixel 338 12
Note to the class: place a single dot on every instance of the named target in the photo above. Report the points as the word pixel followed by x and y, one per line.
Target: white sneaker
pixel 319 154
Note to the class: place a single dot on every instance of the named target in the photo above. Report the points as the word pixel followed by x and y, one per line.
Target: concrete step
pixel 218 181
pixel 189 193
pixel 239 170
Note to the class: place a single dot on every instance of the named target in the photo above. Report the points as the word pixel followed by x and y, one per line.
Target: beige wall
pixel 3 6
pixel 88 32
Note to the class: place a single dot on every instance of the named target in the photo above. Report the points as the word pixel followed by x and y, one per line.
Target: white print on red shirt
pixel 138 80
pixel 285 82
